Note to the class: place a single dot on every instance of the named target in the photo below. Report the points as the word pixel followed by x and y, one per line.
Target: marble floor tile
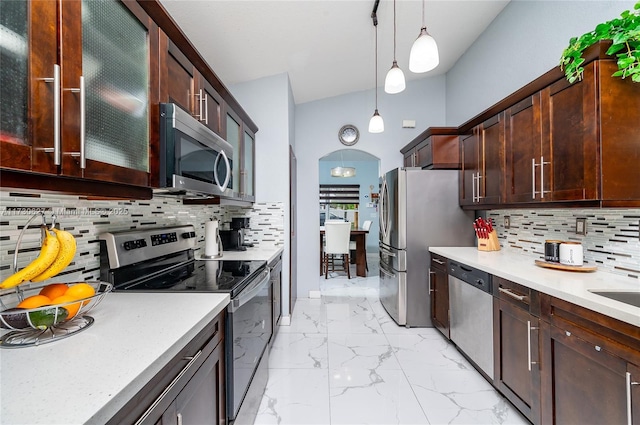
pixel 361 396
pixel 351 316
pixel 461 397
pixel 361 351
pixel 415 352
pixel 309 316
pixel 295 397
pixel 299 351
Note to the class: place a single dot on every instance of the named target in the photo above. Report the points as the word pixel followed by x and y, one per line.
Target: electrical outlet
pixel 581 226
pixel 507 222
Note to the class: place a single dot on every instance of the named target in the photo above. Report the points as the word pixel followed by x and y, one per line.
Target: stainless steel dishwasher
pixel 471 314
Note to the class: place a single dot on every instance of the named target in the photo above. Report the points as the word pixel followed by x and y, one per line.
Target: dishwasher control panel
pixel 478 278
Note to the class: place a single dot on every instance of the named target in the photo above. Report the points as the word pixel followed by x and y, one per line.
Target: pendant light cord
pixel 376 70
pixel 423 25
pixel 394 30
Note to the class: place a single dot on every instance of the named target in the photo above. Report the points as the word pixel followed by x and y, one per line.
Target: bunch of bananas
pixel 56 252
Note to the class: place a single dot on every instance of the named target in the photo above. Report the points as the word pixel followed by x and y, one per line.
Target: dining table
pixel 359 236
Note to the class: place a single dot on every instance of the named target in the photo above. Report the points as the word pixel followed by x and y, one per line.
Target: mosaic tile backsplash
pixel 612 242
pixel 85 219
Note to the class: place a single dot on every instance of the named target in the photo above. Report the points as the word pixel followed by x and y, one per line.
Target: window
pixel 339 202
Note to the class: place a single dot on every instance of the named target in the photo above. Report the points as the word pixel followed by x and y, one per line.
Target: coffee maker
pixel 233 240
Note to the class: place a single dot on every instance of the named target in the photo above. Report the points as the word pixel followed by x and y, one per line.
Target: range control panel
pixel 163 238
pixel 132 246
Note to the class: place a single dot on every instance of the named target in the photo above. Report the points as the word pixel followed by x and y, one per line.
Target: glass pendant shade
pixel 394 82
pixel 376 124
pixel 424 53
pixel 343 172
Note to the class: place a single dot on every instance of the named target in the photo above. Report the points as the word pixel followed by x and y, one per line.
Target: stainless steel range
pixel 162 259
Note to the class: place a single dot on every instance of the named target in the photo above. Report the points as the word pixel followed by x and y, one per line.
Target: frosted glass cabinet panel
pixel 233 137
pixel 115 65
pixel 247 171
pixel 13 72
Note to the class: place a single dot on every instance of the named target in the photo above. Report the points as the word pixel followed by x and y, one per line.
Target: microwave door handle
pixel 223 186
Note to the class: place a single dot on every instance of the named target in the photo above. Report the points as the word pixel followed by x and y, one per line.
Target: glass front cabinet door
pixel 76 94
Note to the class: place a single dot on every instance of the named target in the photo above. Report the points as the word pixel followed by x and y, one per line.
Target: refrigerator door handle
pixel 384 219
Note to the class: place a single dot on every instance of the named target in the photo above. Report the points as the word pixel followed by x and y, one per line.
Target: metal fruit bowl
pixel 25 327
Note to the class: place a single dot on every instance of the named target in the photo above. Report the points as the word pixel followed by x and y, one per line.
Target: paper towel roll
pixel 211 239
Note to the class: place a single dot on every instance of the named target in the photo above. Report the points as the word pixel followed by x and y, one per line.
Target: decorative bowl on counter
pixel 27 326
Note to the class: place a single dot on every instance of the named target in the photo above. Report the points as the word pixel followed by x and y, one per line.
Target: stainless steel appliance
pixel 194 161
pixel 471 314
pixel 418 209
pixel 162 259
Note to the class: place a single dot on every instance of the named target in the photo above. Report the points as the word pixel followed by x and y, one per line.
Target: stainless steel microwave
pixel 194 161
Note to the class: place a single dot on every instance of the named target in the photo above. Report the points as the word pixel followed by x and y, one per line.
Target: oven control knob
pixel 127 246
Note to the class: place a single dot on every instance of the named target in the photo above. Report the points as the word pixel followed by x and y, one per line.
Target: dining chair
pixel 336 237
pixel 352 245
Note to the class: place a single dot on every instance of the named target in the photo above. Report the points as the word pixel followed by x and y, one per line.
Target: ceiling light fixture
pixel 342 171
pixel 424 52
pixel 376 124
pixel 394 82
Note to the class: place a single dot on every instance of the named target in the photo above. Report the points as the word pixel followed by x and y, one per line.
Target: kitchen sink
pixel 627 297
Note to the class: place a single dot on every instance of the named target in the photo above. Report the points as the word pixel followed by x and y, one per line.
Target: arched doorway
pixel 356 173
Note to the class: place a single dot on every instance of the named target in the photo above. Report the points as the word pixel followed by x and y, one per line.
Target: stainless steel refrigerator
pixel 418 209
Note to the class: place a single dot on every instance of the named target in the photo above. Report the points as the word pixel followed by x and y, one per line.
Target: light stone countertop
pixel 259 253
pixel 90 376
pixel 569 286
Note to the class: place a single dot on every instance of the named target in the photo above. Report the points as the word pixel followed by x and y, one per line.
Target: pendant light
pixel 376 124
pixel 424 52
pixel 394 82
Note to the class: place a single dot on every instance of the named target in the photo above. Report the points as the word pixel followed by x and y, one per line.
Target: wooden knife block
pixel 490 244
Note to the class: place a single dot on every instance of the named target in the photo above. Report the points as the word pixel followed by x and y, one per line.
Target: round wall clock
pixel 348 135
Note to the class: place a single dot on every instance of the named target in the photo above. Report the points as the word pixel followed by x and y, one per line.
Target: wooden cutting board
pixel 565 267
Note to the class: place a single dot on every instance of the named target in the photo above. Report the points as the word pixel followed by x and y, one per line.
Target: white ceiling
pixel 326 46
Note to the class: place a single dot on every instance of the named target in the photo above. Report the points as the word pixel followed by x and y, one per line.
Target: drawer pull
pixel 438 261
pixel 192 360
pixel 567 333
pixel 512 294
pixel 598 348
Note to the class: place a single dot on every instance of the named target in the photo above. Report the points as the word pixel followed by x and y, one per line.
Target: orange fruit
pixel 80 291
pixel 34 301
pixel 54 290
pixel 71 308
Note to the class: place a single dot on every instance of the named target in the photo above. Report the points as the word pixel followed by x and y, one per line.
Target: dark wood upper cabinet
pixel 86 100
pixel 482 158
pixel 470 167
pixel 436 148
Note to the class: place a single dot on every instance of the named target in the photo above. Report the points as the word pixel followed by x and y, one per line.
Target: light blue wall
pixel 366 176
pixel 269 103
pixel 524 41
pixel 317 125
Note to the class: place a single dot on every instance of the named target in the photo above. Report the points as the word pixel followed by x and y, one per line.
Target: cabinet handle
pixel 83 120
pixel 529 329
pixel 478 189
pixel 56 114
pixel 199 114
pixel 435 260
pixel 168 388
pixel 179 418
pixel 206 109
pixel 430 287
pixel 533 178
pixel 542 164
pixel 512 294
pixel 629 384
pixel 473 187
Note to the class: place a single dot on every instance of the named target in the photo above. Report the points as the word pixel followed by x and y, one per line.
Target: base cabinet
pixel 190 389
pixel 202 400
pixel 591 370
pixel 439 291
pixel 517 358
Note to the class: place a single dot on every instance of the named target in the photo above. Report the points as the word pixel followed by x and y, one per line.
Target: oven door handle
pixel 250 291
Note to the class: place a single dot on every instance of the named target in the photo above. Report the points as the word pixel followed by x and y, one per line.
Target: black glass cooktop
pixel 182 273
